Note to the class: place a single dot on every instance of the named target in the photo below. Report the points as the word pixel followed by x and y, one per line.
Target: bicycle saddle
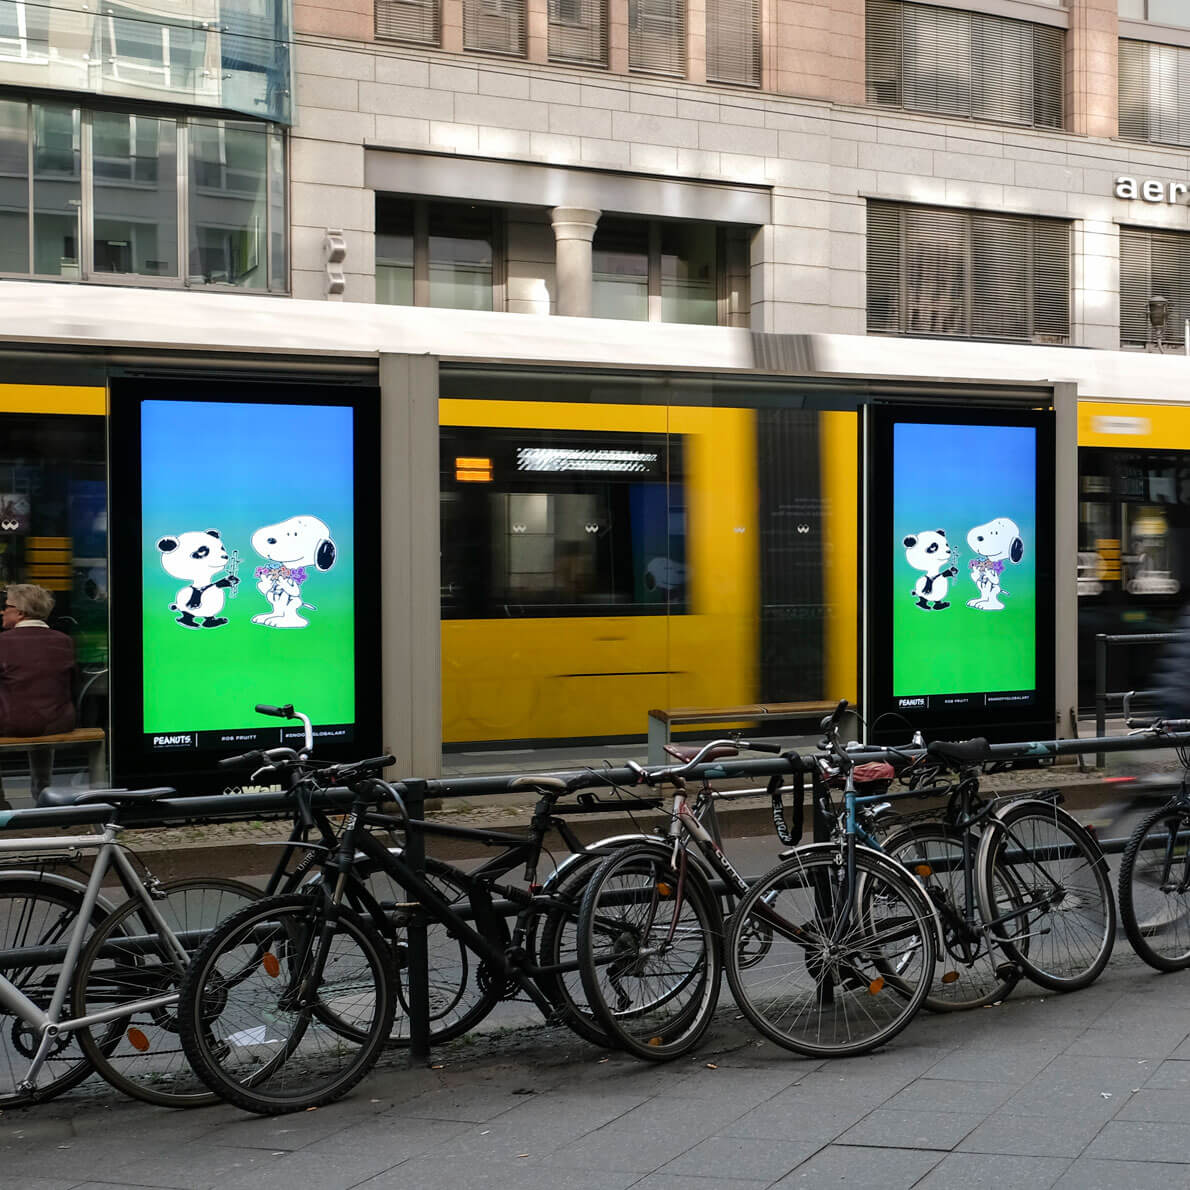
pixel 961 751
pixel 107 797
pixel 686 755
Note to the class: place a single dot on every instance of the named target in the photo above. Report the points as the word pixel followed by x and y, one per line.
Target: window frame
pixel 968 277
pixel 87 273
pixel 421 248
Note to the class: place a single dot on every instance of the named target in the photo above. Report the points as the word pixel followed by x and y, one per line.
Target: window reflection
pixel 14 187
pixel 620 269
pixel 56 190
pixel 688 273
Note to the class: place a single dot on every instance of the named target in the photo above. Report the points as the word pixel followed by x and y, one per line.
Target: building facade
pixel 704 231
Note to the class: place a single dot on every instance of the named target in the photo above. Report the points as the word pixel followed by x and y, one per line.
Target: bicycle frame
pixel 48 1023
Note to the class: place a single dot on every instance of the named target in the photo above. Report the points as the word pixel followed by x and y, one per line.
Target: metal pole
pixel 417 971
pixel 1100 693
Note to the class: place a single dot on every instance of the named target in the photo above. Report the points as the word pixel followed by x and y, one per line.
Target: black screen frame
pixel 132 762
pixel 888 721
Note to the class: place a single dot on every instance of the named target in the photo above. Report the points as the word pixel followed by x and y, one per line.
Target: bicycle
pixel 832 953
pixel 85 987
pixel 1154 880
pixel 290 1000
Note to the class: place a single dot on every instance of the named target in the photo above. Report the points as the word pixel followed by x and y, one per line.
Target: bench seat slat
pixel 751 711
pixel 81 735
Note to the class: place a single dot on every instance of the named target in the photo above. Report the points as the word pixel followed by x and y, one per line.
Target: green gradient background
pixel 235 468
pixel 954 477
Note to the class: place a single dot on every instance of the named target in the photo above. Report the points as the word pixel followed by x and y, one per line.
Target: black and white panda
pixel 930 553
pixel 196 557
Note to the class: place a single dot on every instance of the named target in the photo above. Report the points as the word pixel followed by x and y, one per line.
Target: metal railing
pixel 1102 694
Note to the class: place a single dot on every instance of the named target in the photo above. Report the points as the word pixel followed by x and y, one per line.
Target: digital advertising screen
pixel 960 590
pixel 237 573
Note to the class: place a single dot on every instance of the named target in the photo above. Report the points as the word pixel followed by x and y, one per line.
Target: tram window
pixel 544 523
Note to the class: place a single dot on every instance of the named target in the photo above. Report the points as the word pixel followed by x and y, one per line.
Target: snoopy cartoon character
pixel 930 553
pixel 993 544
pixel 197 557
pixel 289 547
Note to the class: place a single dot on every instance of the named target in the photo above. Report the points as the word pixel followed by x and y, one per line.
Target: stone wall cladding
pixel 822 160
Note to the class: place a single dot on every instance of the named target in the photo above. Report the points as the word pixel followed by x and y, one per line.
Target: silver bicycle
pixel 85 987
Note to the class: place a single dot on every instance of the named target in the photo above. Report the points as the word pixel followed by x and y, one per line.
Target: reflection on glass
pixel 1168 12
pixel 56 190
pixel 394 250
pixel 134 167
pixel 14 187
pixel 688 273
pixel 279 278
pixel 24 30
pixel 620 270
pixel 228 204
pixel 460 250
pixel 137 46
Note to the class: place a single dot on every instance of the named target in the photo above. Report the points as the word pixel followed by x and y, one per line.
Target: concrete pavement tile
pixel 427 1173
pixel 1183 1050
pixel 745 1088
pixel 1091 1174
pixel 894 1129
pixel 860 1169
pixel 849 1082
pixel 979 1171
pixel 662 1181
pixel 392 1138
pixel 942 1094
pixel 1156 1105
pixel 338 1172
pixel 1059 1099
pixel 783 1119
pixel 293 1131
pixel 193 1166
pixel 1171 1075
pixel 1031 1136
pixel 1009 1064
pixel 1132 1140
pixel 47 1184
pixel 732 1157
pixel 1144 1041
pixel 474 1105
pixel 1111 1073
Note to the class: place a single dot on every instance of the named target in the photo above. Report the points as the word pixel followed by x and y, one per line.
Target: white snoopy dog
pixel 289 547
pixel 993 544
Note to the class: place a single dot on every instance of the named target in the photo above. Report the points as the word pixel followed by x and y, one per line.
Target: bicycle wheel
pixel 1061 930
pixel 971 971
pixel 650 952
pixel 559 946
pixel 127 960
pixel 1154 893
pixel 282 1009
pixel 822 987
pixel 36 913
pixel 459 998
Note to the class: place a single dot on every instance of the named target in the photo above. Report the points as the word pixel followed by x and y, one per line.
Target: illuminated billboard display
pixel 237 517
pixel 961 571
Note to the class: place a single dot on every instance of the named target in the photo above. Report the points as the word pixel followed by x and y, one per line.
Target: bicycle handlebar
pixel 677 771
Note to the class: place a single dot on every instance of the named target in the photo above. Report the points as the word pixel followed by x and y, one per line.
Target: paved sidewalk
pixel 1087 1090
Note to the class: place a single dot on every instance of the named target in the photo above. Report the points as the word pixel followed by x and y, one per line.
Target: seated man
pixel 36 669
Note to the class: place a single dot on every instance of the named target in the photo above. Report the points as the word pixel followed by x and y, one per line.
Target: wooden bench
pixel 92 738
pixel 661 722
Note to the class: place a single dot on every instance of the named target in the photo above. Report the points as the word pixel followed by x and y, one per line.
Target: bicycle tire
pixel 558 945
pixel 126 960
pixel 1156 913
pixel 812 979
pixel 243 1033
pixel 650 952
pixel 1067 922
pixel 36 913
pixel 969 972
pixel 459 1000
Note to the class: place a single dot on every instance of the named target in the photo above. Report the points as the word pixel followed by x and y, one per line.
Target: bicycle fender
pixel 56 880
pixel 596 852
pixel 1050 808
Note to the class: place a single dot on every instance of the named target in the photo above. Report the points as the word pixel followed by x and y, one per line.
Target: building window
pixel 144 52
pixel 116 194
pixel 733 42
pixel 1154 92
pixel 983 67
pixel 935 271
pixel 578 31
pixel 1159 12
pixel 495 26
pixel 418 21
pixel 649 270
pixel 1153 264
pixel 437 254
pixel 24 31
pixel 657 37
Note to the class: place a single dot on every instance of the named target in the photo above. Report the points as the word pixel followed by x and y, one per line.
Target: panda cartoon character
pixel 196 557
pixel 930 553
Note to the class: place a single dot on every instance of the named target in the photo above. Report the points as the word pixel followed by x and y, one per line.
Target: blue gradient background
pixel 236 468
pixel 954 477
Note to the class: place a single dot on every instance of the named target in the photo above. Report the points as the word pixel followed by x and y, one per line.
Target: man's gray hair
pixel 36 602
